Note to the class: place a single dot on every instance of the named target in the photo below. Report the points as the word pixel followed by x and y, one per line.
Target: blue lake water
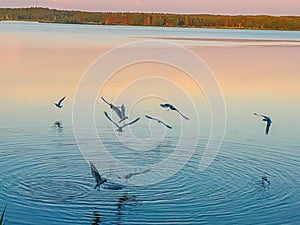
pixel 45 176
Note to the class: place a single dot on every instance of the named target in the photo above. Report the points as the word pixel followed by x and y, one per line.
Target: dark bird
pixel 120 128
pixel 58 124
pixel 97 176
pixel 59 105
pixel 120 111
pixel 171 107
pixel 265 181
pixel 266 119
pixel 159 121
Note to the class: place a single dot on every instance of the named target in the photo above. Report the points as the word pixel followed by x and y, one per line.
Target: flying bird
pixel 120 111
pixel 171 107
pixel 59 105
pixel 159 121
pixel 267 119
pixel 120 128
pixel 97 176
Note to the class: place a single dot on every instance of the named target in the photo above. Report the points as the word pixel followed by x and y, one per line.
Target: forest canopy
pixel 47 15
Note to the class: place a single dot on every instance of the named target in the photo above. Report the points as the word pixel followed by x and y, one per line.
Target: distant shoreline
pixel 249 22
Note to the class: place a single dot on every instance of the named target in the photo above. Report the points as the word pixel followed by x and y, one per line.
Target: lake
pixel 209 169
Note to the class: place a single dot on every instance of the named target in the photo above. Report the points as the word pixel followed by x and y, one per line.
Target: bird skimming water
pixel 97 176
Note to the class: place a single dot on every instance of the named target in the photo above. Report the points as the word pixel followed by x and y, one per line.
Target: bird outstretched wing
pixel 159 121
pixel 105 101
pixel 150 117
pixel 168 126
pixel 61 100
pixel 260 115
pixel 130 123
pixel 95 172
pixel 107 116
pixel 185 117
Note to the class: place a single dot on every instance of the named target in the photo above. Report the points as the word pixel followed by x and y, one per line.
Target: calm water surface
pixel 45 179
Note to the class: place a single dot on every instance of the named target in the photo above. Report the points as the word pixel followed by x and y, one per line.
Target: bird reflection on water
pixel 123 200
pixel 96 218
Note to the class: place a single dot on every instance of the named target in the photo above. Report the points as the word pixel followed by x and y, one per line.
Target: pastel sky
pixel 270 7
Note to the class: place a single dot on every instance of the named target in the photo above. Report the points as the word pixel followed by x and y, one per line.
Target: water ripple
pixel 47 173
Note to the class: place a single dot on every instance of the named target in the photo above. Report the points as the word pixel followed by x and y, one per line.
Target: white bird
pixel 159 121
pixel 59 105
pixel 97 176
pixel 120 128
pixel 267 119
pixel 169 106
pixel 121 113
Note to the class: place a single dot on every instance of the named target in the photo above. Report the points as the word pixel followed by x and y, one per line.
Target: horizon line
pixel 152 12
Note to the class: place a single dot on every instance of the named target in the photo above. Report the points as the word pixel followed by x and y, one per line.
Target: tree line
pixel 152 19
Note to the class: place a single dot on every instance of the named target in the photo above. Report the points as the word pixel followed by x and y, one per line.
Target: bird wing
pixel 95 172
pixel 151 118
pixel 266 118
pixel 107 116
pixel 105 101
pixel 123 110
pixel 160 121
pixel 182 114
pixel 61 100
pixel 166 125
pixel 260 115
pixel 132 122
pixel 268 127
